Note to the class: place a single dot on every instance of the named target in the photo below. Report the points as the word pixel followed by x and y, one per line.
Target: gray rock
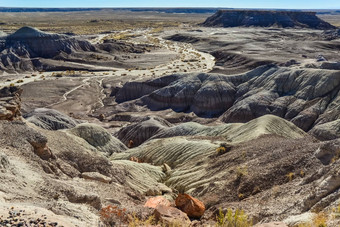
pixel 171 216
pixel 327 131
pixel 112 200
pixel 331 34
pixel 330 65
pixel 328 152
pixel 96 176
pixel 10 103
pixel 4 162
pixel 325 186
pixel 299 219
pixel 78 197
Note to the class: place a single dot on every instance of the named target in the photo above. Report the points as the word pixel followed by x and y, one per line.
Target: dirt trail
pixel 188 60
pixel 100 82
pixel 84 82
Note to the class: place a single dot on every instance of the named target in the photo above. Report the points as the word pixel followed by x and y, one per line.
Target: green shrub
pixel 241 171
pixel 233 219
pixel 223 148
pixel 302 173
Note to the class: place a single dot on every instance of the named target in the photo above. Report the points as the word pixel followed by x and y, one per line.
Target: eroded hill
pixel 282 19
pixel 306 97
pixel 29 49
pixel 174 143
pixel 83 167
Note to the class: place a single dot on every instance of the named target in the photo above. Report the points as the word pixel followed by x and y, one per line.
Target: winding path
pixel 84 82
pixel 189 60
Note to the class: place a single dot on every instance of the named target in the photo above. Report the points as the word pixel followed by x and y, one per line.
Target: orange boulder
pixel 190 205
pixel 158 200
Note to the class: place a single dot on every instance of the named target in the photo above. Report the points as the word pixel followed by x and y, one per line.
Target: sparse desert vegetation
pixel 103 21
pixel 233 218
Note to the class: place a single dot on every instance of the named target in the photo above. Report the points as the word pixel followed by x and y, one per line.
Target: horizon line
pixel 161 7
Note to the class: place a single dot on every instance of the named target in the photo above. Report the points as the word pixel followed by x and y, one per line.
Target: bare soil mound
pixel 51 119
pixel 31 42
pixel 19 50
pixel 30 49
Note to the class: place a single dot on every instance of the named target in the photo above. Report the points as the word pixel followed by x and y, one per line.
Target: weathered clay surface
pixel 306 97
pixel 51 119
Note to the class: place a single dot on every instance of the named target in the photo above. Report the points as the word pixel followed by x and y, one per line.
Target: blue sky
pixel 286 4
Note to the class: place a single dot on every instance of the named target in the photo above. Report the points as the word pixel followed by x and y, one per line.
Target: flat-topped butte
pixel 266 18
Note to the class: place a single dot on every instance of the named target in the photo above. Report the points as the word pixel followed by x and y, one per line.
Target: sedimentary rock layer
pixel 247 18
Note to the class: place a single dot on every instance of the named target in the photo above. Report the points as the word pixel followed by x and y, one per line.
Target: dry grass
pixel 241 171
pixel 120 36
pixel 332 19
pixel 320 220
pixel 290 176
pixel 94 22
pixel 136 222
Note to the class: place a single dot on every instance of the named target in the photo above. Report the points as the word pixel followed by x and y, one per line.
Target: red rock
pixel 130 144
pixel 158 200
pixel 135 159
pixel 101 117
pixel 190 205
pixel 171 216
